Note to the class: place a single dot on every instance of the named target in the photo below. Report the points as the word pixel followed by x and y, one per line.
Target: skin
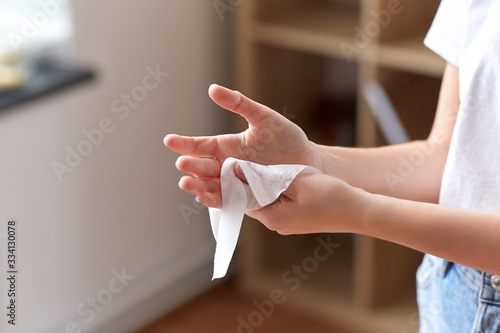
pixel 352 193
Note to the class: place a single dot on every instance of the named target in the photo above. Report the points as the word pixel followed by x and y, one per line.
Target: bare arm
pixel 466 237
pixel 322 203
pixel 397 170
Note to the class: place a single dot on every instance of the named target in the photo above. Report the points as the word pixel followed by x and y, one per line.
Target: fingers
pixel 213 200
pixel 206 186
pixel 239 173
pixel 207 191
pixel 196 186
pixel 236 102
pixel 274 216
pixel 194 146
pixel 199 167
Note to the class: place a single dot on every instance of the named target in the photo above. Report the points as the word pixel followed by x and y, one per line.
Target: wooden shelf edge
pixel 409 59
pixel 402 56
pixel 299 40
pixel 314 28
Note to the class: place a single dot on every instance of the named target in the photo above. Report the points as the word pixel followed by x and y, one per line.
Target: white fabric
pixel 467 34
pixel 265 185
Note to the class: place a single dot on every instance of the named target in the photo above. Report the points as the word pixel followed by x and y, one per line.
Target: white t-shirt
pixel 466 33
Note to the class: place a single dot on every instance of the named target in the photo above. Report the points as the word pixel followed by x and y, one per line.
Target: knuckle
pixel 274 225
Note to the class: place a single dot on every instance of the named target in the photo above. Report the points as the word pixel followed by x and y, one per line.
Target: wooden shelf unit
pixel 286 50
pixel 310 28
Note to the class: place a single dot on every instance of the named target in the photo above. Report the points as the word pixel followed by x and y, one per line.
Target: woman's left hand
pixel 315 203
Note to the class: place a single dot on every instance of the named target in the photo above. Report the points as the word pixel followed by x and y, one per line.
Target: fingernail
pixel 165 138
pixel 212 86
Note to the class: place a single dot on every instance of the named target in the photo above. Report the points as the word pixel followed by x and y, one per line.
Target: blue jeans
pixel 454 298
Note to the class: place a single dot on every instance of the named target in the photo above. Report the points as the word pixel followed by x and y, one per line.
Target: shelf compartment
pixel 385 273
pixel 414 98
pixel 400 42
pixel 328 292
pixel 291 263
pixel 393 318
pixel 408 20
pixel 311 90
pixel 318 27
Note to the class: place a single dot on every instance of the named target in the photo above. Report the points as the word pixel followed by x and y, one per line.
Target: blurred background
pixel 84 171
pixel 105 240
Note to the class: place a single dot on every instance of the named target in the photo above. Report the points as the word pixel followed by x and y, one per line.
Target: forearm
pixel 410 171
pixel 465 237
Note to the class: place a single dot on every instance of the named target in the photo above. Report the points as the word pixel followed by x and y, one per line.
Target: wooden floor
pixel 223 310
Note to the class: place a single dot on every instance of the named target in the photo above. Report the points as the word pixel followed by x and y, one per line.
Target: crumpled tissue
pixel 265 185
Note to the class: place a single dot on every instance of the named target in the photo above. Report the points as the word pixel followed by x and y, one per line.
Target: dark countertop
pixel 48 80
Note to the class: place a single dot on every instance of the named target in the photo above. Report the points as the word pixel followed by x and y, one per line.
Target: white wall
pixel 119 207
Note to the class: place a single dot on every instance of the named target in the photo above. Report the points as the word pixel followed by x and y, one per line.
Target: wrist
pixel 323 159
pixel 348 208
pixel 363 211
pixel 377 210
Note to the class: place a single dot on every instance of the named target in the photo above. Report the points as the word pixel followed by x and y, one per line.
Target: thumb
pixel 239 173
pixel 238 103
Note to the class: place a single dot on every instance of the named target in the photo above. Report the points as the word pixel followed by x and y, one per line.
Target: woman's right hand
pixel 270 139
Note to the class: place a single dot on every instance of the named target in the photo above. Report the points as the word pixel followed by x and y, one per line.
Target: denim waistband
pixel 487 293
pixel 481 281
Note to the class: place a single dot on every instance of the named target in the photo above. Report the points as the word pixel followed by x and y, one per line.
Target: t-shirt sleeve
pixel 447 31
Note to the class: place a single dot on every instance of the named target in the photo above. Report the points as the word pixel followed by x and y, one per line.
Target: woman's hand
pixel 270 139
pixel 316 203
